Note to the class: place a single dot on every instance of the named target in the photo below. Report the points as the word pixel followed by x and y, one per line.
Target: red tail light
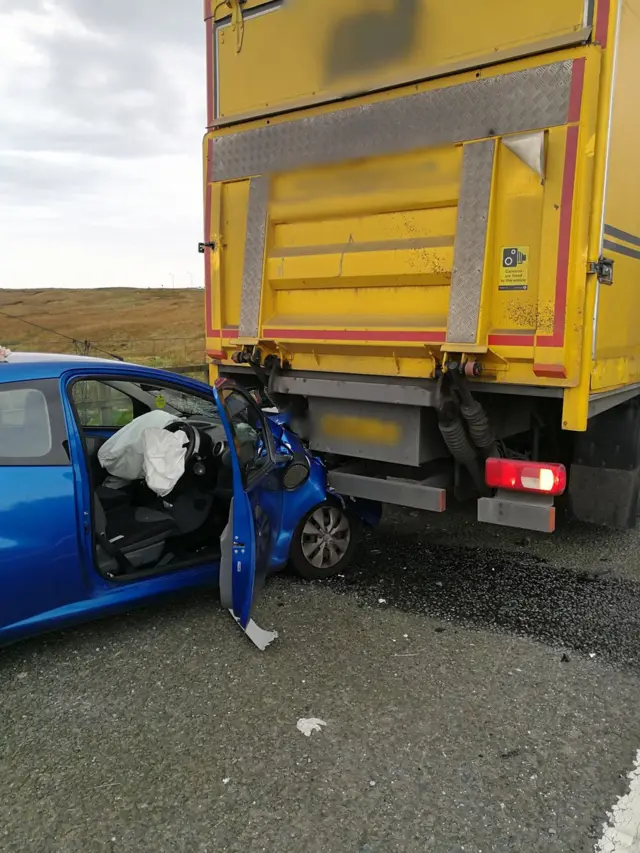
pixel 541 478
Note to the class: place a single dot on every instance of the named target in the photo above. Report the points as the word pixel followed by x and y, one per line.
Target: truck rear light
pixel 540 478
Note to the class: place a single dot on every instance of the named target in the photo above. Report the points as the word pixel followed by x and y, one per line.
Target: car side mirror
pixel 296 472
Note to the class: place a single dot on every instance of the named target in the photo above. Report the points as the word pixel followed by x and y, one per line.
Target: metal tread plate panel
pixel 470 243
pixel 254 257
pixel 508 103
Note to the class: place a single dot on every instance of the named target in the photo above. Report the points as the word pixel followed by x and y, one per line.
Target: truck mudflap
pixel 605 472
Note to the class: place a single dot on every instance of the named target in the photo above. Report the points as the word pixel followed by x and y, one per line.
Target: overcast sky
pixel 102 112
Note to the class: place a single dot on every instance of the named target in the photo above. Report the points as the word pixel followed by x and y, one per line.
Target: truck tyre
pixel 324 542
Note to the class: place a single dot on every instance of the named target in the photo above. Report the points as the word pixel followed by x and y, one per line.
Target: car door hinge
pixel 202 246
pixel 603 268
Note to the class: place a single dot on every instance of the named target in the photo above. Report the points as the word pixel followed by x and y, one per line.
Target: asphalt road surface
pixel 480 690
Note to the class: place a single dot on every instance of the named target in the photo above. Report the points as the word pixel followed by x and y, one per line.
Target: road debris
pixel 309 725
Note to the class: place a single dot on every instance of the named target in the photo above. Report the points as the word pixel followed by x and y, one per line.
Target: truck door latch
pixel 603 268
pixel 203 246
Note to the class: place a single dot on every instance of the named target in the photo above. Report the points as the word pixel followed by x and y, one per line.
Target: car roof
pixel 21 366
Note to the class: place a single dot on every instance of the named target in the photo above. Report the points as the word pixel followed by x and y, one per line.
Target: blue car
pixel 99 513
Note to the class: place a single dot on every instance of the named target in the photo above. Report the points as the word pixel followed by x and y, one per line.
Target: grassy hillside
pixel 161 327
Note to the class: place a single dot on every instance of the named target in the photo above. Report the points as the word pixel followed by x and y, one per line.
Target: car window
pixel 183 403
pixel 113 402
pixel 24 422
pixel 32 428
pixel 100 405
pixel 250 437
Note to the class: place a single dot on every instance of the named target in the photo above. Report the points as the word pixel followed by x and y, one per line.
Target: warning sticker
pixel 514 268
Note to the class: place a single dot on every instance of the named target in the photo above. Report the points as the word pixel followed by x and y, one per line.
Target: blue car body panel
pixel 39 560
pixel 47 575
pixel 109 602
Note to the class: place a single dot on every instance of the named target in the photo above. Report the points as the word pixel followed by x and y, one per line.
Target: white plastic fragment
pixel 382 601
pixel 309 725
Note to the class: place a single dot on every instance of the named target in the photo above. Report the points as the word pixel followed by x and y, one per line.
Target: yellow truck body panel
pixel 617 318
pixel 391 184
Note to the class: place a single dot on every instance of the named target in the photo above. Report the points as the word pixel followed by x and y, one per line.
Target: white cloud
pixel 103 109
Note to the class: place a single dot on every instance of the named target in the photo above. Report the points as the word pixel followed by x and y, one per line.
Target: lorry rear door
pixel 284 54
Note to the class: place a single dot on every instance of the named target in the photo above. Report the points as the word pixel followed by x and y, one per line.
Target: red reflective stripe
pixel 208 289
pixel 229 332
pixel 564 242
pixel 550 371
pixel 511 340
pixel 577 87
pixel 602 22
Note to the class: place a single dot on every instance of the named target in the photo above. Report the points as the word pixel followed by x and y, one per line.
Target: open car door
pixel 256 510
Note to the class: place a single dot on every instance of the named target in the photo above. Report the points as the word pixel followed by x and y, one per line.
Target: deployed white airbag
pixel 122 455
pixel 164 454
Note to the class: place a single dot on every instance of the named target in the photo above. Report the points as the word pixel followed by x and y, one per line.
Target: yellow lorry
pixel 422 238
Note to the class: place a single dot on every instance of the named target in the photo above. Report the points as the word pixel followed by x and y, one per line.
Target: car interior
pixel 137 531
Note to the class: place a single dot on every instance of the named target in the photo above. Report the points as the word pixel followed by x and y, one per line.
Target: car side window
pixel 249 431
pixel 32 430
pixel 101 405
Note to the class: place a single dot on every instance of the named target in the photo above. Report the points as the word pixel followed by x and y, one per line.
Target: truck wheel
pixel 324 542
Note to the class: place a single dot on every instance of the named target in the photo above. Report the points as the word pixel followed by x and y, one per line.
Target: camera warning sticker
pixel 514 268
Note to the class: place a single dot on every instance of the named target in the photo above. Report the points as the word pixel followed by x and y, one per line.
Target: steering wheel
pixel 193 437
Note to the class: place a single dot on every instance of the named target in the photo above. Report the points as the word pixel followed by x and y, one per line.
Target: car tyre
pixel 324 542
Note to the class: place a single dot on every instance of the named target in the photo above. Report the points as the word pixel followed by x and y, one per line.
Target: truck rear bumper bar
pixel 525 511
pixel 389 490
pixel 507 509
